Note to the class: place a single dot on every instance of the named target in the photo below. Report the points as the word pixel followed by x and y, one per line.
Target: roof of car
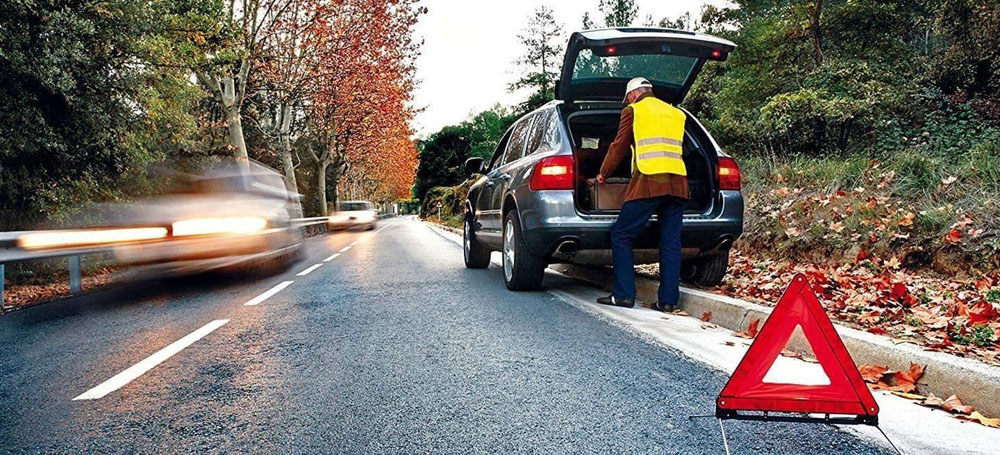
pixel 651 32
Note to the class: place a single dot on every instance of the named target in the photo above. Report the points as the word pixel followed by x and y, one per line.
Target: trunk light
pixel 716 53
pixel 553 173
pixel 729 174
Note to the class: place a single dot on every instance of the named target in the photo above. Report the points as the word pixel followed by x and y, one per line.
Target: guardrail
pixel 11 251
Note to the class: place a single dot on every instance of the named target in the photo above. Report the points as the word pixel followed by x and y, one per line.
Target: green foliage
pixel 451 200
pixel 618 13
pixel 88 103
pixel 443 154
pixel 543 42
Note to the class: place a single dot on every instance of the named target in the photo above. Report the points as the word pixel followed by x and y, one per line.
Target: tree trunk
pixel 284 138
pixel 234 123
pixel 321 187
pixel 235 126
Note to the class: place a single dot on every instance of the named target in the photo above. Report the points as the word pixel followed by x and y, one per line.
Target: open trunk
pixel 594 130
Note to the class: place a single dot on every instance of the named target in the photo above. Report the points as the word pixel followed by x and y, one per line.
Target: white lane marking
pixel 268 293
pixel 309 270
pixel 332 257
pixel 121 379
pixel 382 228
pixel 344 249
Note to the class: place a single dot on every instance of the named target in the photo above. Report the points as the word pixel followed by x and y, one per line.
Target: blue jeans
pixel 632 219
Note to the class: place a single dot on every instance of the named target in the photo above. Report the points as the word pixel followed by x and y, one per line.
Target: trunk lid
pixel 599 63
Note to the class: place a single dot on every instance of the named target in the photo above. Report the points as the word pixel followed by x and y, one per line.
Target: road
pixel 390 347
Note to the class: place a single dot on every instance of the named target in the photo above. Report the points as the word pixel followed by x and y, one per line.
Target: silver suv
pixel 535 203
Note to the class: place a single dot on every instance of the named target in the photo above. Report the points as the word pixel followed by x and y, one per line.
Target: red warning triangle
pixel 846 392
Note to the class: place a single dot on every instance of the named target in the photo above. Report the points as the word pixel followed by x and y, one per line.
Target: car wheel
pixel 522 271
pixel 476 256
pixel 711 270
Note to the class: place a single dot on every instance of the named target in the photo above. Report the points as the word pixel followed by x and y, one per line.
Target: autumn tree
pixel 363 85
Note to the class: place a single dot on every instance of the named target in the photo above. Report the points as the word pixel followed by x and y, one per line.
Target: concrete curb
pixel 975 383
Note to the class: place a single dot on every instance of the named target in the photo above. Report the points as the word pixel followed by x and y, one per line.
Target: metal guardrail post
pixel 74 274
pixel 2 279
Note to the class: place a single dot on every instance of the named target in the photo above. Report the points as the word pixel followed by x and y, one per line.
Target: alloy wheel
pixel 508 250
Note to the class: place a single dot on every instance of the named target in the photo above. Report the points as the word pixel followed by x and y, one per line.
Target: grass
pixel 904 205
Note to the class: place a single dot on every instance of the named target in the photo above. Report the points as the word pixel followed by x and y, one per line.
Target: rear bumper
pixel 550 218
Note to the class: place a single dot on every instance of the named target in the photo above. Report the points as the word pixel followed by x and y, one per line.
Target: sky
pixel 470 46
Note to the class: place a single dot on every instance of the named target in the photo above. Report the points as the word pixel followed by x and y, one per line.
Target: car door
pixel 499 177
pixel 599 63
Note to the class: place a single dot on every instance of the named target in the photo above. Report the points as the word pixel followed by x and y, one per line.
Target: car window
pixel 497 159
pixel 544 133
pixel 517 140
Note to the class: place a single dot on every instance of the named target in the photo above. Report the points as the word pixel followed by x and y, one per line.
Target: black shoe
pixel 612 300
pixel 664 308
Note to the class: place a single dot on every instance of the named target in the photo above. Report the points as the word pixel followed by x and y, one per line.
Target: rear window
pixel 658 68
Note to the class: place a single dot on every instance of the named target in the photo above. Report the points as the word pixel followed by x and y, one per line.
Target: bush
pixel 451 200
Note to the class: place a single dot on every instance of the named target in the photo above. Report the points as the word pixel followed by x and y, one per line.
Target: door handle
pixel 491 183
pixel 505 177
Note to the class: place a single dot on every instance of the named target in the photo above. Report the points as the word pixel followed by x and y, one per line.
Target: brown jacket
pixel 641 186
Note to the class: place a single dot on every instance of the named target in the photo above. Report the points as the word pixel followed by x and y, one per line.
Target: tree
pixel 357 111
pixel 225 75
pixel 619 13
pixel 542 39
pixel 89 102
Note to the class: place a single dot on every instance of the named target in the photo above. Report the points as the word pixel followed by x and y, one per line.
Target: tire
pixel 522 271
pixel 476 255
pixel 711 270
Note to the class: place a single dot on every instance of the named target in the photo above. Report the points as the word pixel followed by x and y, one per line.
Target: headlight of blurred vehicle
pixel 212 226
pixel 83 237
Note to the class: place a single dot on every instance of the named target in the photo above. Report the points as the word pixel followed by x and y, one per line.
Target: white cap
pixel 635 83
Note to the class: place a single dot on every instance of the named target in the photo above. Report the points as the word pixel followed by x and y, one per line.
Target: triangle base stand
pixel 829 420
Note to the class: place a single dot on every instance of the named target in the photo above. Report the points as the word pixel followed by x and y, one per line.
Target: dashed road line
pixel 121 379
pixel 382 228
pixel 309 270
pixel 332 257
pixel 344 249
pixel 267 294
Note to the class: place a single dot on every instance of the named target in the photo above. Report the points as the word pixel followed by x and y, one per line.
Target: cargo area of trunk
pixel 594 131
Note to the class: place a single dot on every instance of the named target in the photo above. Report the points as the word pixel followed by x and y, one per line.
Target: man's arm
pixel 621 146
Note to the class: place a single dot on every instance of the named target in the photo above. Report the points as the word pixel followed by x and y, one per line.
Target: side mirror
pixel 473 165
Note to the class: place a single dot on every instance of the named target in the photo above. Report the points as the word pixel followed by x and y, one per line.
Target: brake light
pixel 729 174
pixel 553 173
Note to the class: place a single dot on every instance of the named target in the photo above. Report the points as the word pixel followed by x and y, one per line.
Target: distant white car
pixel 353 215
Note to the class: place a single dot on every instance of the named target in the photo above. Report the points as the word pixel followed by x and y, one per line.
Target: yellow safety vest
pixel 659 136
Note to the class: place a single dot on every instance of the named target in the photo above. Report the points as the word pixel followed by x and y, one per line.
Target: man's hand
pixel 600 179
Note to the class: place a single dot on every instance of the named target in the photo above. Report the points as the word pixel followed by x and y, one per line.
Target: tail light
pixel 553 173
pixel 729 174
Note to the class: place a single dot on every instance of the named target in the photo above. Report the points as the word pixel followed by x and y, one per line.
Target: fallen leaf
pixel 954 236
pixel 892 263
pixel 909 396
pixel 751 331
pixel 729 343
pixel 953 404
pixel 949 180
pixel 983 420
pixel 872 373
pixel 877 330
pixel 985 312
pixel 706 316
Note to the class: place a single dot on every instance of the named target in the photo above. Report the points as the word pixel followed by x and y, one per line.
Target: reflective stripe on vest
pixel 659 137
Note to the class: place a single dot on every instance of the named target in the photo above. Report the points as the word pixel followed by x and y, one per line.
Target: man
pixel 654 131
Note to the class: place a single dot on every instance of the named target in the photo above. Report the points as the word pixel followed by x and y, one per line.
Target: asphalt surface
pixel 392 347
